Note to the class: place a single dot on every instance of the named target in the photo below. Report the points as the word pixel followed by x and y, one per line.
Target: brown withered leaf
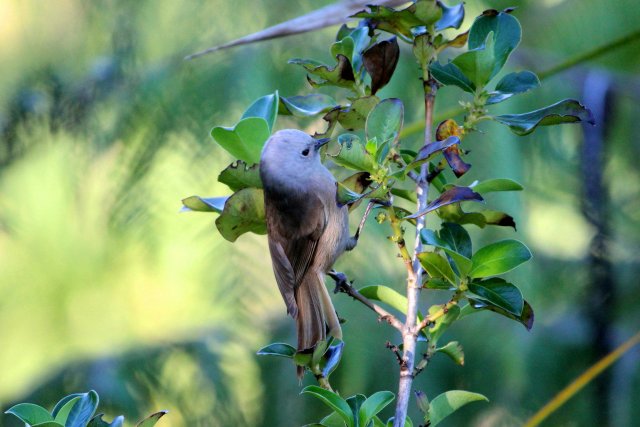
pixel 453 154
pixel 380 61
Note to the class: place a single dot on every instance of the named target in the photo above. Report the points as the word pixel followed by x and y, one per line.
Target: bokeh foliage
pixel 103 285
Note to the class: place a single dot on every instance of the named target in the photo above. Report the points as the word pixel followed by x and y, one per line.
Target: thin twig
pixel 342 285
pixel 394 348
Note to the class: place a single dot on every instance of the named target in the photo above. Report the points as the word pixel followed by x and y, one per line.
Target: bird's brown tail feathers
pixel 314 311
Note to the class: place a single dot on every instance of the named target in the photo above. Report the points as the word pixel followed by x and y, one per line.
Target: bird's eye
pixel 305 152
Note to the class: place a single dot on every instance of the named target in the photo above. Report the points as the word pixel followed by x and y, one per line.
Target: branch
pixel 342 285
pixel 336 13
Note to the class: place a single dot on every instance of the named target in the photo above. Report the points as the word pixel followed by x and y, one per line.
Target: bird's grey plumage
pixel 307 230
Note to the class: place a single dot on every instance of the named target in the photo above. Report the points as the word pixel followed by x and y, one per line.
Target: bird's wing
pixel 293 248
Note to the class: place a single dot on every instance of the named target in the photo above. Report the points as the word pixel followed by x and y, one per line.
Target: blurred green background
pixel 105 286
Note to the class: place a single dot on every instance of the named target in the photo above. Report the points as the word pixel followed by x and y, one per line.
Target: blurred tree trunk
pixel 600 283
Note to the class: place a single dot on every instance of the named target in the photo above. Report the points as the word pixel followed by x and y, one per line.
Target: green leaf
pixel 353 154
pixel 48 424
pixel 303 357
pixel 277 349
pixel 500 293
pixel 30 413
pixel 380 61
pixel 204 204
pixel 243 212
pixel 384 122
pixel 437 266
pixel 385 295
pixel 447 403
pixel 374 404
pixel 452 195
pixel 454 350
pixel 97 421
pixel 452 16
pixel 265 108
pixel 62 413
pixel 63 402
pixel 442 323
pixel 565 111
pixel 526 318
pixel 333 401
pixel 453 239
pixel 399 22
pixel 450 75
pixel 318 351
pixel 244 140
pixel 478 64
pixel 340 75
pixel 351 117
pixel 498 258
pixel 355 403
pixel 306 106
pixel 239 175
pixel 83 410
pixel 498 184
pixel 506 36
pixel 152 419
pixel 331 420
pixel 512 84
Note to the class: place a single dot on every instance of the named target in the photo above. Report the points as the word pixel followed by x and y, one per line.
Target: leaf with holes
pixel 243 212
pixel 239 175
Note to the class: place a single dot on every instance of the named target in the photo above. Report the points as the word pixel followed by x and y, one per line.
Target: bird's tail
pixel 315 310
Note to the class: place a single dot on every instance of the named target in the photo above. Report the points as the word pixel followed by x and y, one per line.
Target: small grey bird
pixel 307 230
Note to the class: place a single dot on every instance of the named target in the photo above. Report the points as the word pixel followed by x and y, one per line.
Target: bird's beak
pixel 321 142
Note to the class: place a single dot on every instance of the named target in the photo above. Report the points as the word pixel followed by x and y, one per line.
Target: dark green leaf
pixel 512 84
pixel 331 420
pixel 277 349
pixel 440 284
pixel 63 402
pixel 355 403
pixel 399 22
pixel 500 293
pixel 204 204
pixel 437 266
pixel 30 413
pixel 152 419
pixel 478 64
pixel 454 350
pixel 332 400
pixel 374 404
pixel 447 403
pixel 498 184
pixel 332 358
pixel 351 117
pixel 463 262
pixel 565 111
pixel 450 75
pixel 83 410
pixel 452 195
pixel 498 258
pixel 306 106
pixel 239 175
pixel 48 424
pixel 265 108
pixel 380 61
pixel 245 140
pixel 353 154
pixel 62 413
pixel 526 318
pixel 97 421
pixel 456 238
pixel 454 213
pixel 506 36
pixel 452 16
pixel 384 124
pixel 243 212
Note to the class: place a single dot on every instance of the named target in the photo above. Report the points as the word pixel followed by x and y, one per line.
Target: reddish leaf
pixel 380 61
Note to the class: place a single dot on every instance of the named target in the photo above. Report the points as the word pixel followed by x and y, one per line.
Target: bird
pixel 307 230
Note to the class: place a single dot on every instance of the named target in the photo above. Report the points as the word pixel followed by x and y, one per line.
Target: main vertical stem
pixel 414 281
